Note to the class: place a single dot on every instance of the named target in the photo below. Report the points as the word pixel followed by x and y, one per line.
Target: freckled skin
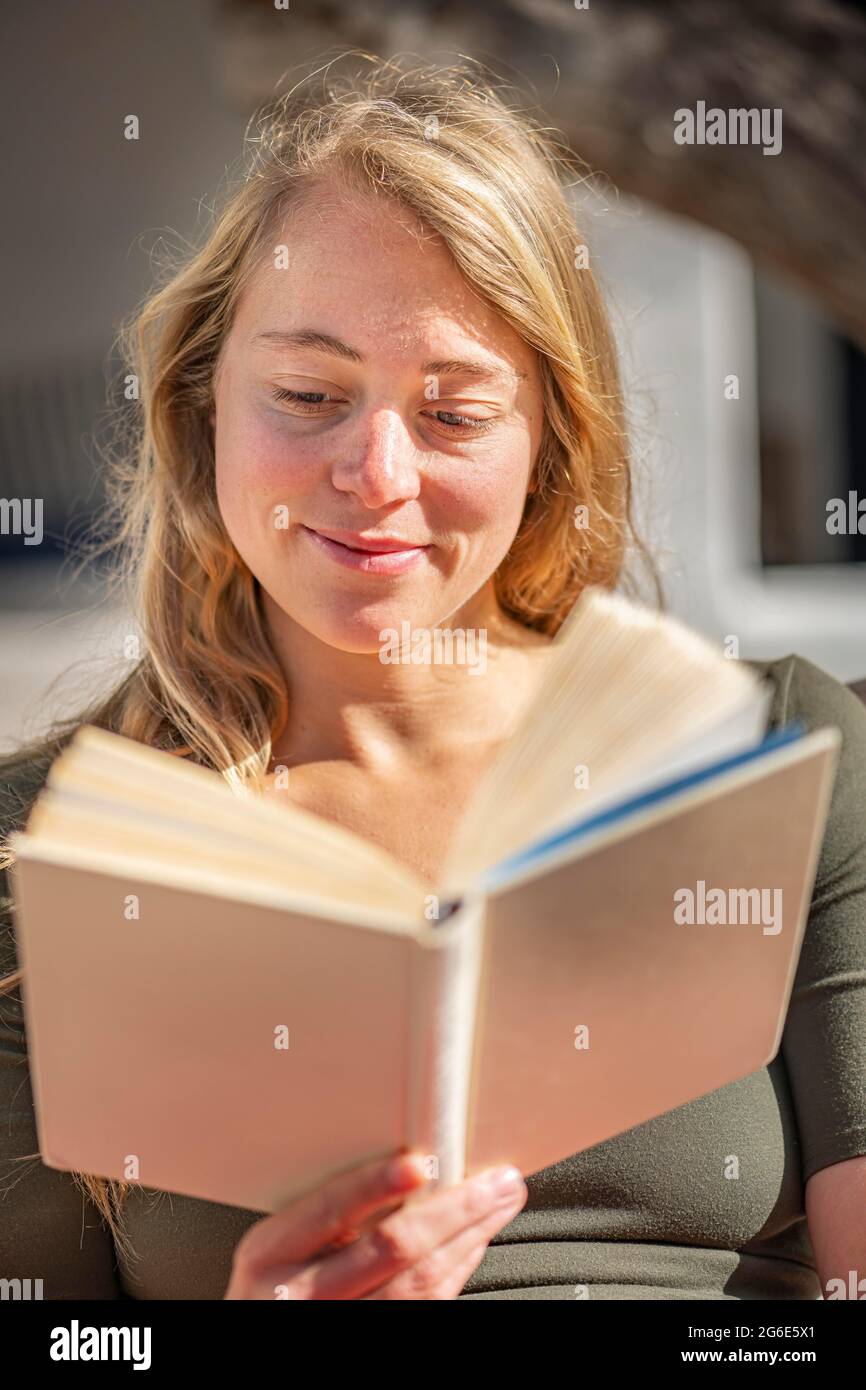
pixel 392 752
pixel 377 459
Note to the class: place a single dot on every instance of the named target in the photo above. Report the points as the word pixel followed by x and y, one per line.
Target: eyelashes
pixel 298 397
pixel 465 423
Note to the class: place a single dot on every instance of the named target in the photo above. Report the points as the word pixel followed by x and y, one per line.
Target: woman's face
pixel 366 397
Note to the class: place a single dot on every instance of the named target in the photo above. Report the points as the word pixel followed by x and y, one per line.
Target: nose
pixel 379 464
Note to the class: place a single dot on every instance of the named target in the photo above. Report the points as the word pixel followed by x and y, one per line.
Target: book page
pixel 627 692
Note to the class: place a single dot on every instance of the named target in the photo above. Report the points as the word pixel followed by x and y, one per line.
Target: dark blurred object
pixel 611 77
pixel 47 418
pixel 812 418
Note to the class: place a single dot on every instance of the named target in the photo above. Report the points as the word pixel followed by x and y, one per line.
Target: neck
pixel 353 706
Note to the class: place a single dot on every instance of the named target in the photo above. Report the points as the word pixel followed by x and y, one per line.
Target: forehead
pixel 364 269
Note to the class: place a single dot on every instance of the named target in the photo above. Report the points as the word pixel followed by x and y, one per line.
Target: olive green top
pixel 648 1214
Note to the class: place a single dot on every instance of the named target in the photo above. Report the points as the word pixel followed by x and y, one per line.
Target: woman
pixel 377 395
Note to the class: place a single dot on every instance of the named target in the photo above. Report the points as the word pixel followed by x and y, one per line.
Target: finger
pixel 351 1234
pixel 300 1229
pixel 451 1287
pixel 443 1272
pixel 409 1235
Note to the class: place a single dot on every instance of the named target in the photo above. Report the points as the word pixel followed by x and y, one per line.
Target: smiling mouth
pixel 367 554
pixel 368 545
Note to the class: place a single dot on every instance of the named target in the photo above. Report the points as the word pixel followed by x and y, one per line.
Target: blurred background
pixel 720 262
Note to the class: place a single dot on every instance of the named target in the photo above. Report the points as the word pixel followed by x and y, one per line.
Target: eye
pixel 307 401
pixel 468 423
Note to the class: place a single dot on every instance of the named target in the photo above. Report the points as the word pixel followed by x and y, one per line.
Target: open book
pixel 229 997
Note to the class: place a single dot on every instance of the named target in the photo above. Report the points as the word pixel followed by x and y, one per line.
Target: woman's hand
pixel 425 1249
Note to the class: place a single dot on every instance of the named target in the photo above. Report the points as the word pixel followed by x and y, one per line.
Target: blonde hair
pixel 490 180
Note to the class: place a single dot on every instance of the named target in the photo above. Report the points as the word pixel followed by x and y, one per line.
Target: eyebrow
pixel 315 341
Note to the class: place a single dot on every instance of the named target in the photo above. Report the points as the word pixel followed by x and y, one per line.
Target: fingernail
pixel 404 1167
pixel 505 1182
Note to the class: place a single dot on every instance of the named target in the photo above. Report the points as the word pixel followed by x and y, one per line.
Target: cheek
pixel 486 498
pixel 258 469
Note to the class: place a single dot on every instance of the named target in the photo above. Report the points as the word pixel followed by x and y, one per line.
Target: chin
pixel 354 622
pixel 358 629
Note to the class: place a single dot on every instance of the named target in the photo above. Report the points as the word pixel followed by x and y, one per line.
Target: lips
pixel 371 545
pixel 386 555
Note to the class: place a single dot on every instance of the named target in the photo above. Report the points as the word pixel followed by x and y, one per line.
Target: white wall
pixel 684 301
